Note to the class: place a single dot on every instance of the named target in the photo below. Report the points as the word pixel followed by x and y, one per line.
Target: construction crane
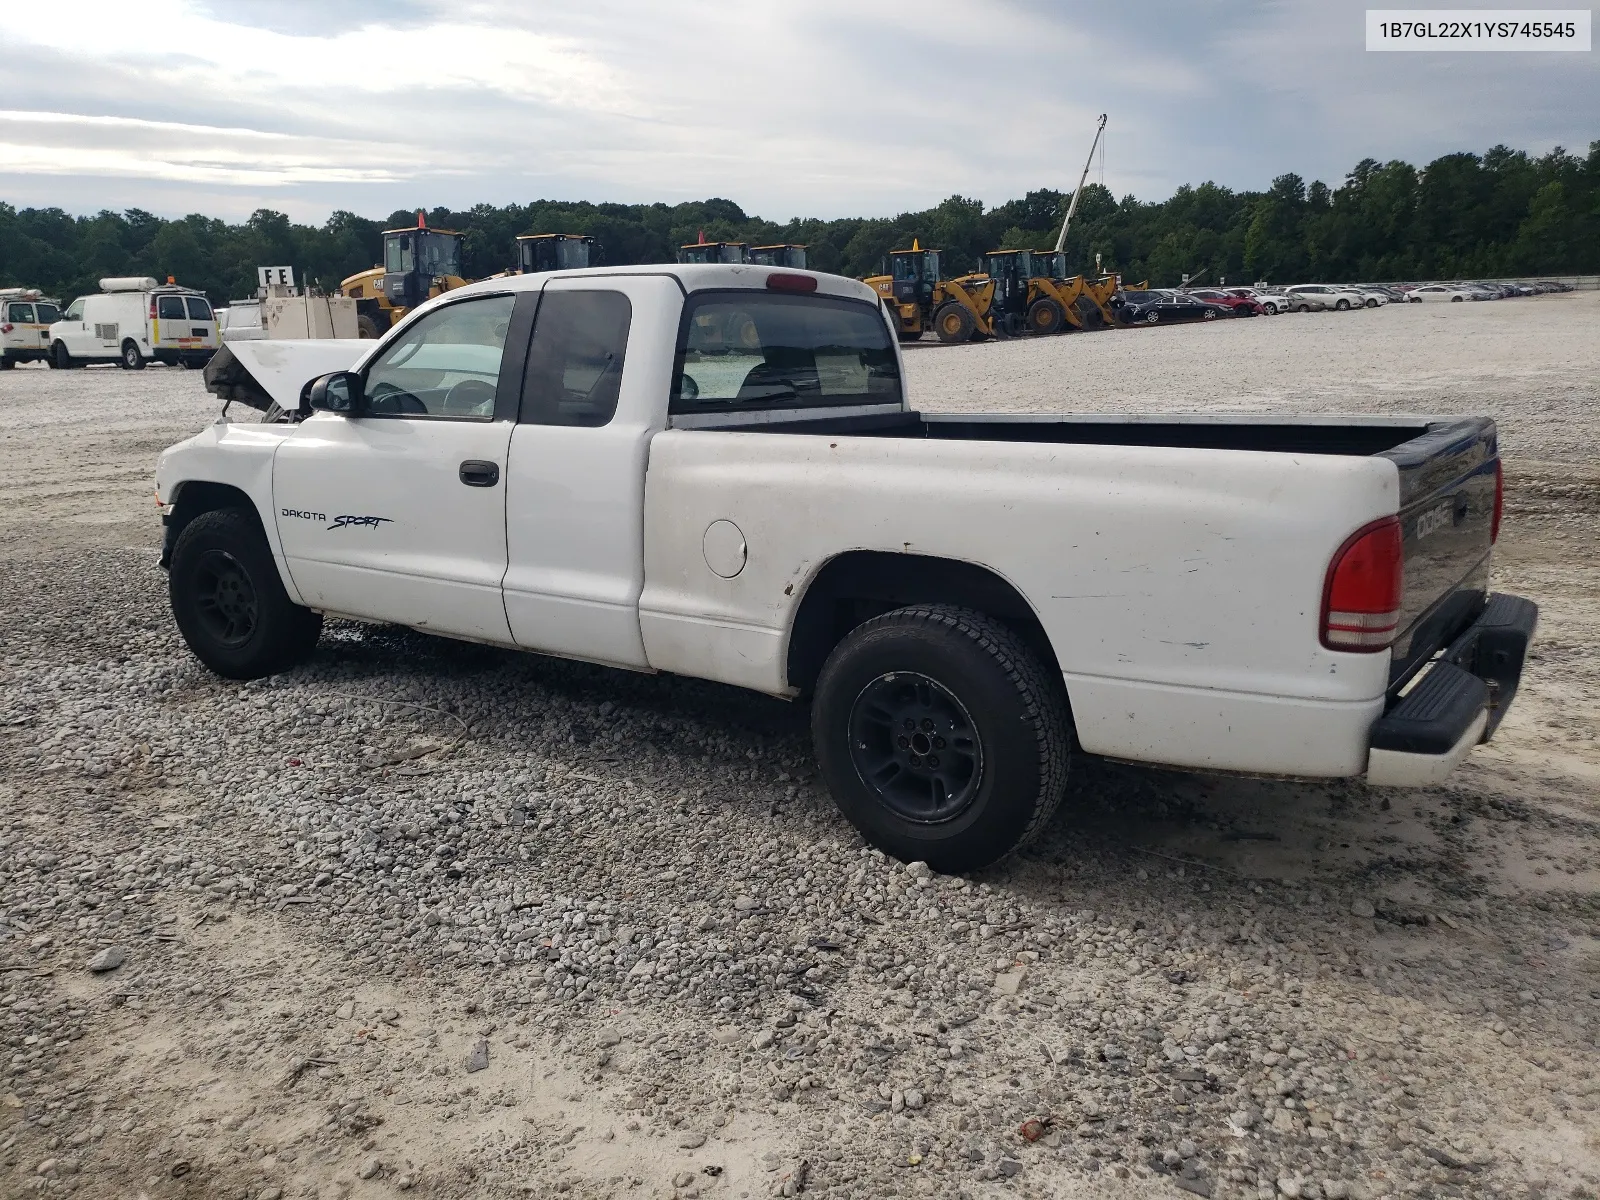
pixel 1072 206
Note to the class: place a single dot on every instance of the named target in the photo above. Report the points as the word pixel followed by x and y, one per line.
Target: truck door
pixel 398 513
pixel 598 372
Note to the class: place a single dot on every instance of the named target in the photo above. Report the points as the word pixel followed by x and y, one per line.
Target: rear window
pixel 742 350
pixel 21 313
pixel 199 309
pixel 169 308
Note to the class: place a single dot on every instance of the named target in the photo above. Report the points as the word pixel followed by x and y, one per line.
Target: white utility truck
pixel 25 317
pixel 716 471
pixel 133 320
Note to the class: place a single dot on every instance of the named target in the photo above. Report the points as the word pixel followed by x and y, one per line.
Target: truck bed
pixel 1444 466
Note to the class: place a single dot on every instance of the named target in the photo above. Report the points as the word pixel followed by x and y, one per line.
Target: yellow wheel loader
pixel 788 255
pixel 737 253
pixel 418 264
pixel 920 298
pixel 555 252
pixel 1083 302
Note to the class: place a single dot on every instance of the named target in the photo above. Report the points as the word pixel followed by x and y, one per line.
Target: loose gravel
pixel 435 918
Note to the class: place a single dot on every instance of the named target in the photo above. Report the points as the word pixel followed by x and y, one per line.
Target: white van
pixel 25 319
pixel 134 320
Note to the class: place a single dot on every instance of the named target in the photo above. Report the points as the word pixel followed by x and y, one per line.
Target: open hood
pixel 262 373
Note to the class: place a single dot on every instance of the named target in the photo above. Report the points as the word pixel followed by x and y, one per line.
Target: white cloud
pixel 829 108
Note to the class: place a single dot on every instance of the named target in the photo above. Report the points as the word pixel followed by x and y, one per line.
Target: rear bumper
pixel 1422 736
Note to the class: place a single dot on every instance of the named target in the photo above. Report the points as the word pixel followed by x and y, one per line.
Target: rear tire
pixel 132 359
pixel 1046 316
pixel 953 323
pixel 8 364
pixel 229 601
pixel 983 764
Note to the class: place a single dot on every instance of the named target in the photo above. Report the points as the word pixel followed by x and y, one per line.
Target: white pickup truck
pixel 715 471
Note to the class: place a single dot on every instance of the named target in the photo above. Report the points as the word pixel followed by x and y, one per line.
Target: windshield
pixel 758 350
pixel 733 252
pixel 905 266
pixel 438 254
pixel 48 313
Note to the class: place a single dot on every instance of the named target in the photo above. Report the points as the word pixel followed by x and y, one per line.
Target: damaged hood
pixel 262 373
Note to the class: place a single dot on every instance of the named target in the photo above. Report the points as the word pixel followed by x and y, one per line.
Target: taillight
pixel 1499 501
pixel 1361 599
pixel 791 283
pixel 152 308
pixel 6 328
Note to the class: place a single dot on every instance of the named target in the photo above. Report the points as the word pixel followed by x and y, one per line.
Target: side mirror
pixel 337 392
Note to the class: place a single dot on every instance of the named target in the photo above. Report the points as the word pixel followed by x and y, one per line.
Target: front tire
pixel 1150 318
pixel 132 359
pixel 61 357
pixel 229 601
pixel 953 323
pixel 366 327
pixel 1209 315
pixel 909 335
pixel 942 736
pixel 1343 305
pixel 1046 316
pixel 7 363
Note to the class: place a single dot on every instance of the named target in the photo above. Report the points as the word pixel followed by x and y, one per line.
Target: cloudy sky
pixel 790 107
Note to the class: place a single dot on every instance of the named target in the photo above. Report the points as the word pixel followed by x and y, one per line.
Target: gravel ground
pixel 437 918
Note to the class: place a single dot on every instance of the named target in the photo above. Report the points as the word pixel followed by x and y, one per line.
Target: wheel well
pixel 196 497
pixel 861 584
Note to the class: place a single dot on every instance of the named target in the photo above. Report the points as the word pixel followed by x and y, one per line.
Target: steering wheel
pixel 474 396
pixel 389 399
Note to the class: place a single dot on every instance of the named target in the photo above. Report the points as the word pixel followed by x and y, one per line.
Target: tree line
pixel 1462 216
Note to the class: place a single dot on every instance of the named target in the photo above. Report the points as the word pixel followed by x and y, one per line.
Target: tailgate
pixel 1447 503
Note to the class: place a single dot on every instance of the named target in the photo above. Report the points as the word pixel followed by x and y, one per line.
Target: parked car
pixel 1373 297
pixel 134 320
pixel 1272 302
pixel 25 318
pixel 1443 291
pixel 1240 306
pixel 636 487
pixel 1303 297
pixel 1152 307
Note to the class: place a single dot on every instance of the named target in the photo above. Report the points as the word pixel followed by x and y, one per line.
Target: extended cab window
pixel 574 371
pixel 199 310
pixel 444 365
pixel 169 308
pixel 760 350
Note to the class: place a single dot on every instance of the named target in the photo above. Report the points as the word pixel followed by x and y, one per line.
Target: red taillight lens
pixel 5 328
pixel 791 283
pixel 152 308
pixel 1361 600
pixel 1499 501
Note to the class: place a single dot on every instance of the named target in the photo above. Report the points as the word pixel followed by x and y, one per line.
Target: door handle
pixel 477 472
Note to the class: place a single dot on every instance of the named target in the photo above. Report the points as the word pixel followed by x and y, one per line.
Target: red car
pixel 1242 306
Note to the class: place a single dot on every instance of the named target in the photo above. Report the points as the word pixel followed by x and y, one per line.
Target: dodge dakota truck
pixel 716 471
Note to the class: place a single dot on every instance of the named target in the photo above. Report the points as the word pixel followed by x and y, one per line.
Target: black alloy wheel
pixel 224 598
pixel 916 747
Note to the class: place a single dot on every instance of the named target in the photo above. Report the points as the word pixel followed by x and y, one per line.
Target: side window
pixel 75 310
pixel 574 371
pixel 444 365
pixel 169 308
pixel 199 310
pixel 22 314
